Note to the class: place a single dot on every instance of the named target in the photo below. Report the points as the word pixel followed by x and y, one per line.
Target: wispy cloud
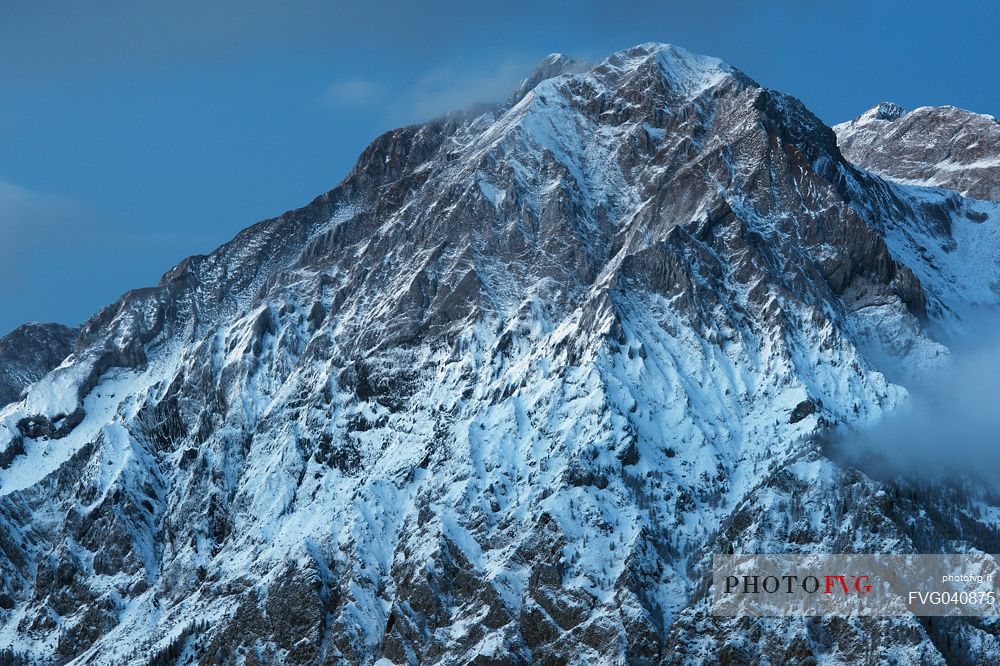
pixel 61 259
pixel 352 93
pixel 434 93
pixel 453 87
pixel 39 235
pixel 950 425
pixel 25 218
pixel 18 204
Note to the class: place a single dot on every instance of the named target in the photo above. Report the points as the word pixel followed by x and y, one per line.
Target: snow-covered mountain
pixel 935 146
pixel 27 353
pixel 499 395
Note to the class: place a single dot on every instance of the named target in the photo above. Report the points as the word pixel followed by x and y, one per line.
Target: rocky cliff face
pixel 27 353
pixel 935 146
pixel 498 396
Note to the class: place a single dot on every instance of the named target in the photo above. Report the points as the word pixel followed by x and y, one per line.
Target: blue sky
pixel 135 134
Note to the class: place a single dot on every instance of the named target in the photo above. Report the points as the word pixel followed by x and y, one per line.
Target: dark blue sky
pixel 134 134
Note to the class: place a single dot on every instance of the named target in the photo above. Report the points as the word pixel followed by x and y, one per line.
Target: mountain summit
pixel 499 395
pixel 936 146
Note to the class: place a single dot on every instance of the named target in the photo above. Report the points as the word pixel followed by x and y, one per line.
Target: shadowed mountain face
pixel 500 394
pixel 29 352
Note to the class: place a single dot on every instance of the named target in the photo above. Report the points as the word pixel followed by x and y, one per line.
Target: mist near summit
pixel 949 427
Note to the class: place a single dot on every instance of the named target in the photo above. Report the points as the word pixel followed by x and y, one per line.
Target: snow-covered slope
pixel 499 395
pixel 27 353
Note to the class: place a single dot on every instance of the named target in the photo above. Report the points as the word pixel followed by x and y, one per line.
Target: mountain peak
pixel 551 66
pixel 935 146
pixel 687 73
pixel 882 111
